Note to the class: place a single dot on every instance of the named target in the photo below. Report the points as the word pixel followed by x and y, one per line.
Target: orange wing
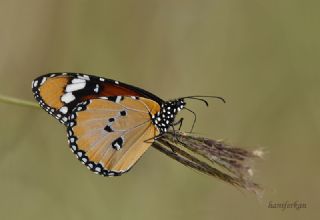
pixel 110 134
pixel 59 93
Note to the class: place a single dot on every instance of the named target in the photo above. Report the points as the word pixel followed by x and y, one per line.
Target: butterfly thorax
pixel 168 111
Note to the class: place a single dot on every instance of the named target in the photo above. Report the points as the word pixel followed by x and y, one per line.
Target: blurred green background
pixel 262 56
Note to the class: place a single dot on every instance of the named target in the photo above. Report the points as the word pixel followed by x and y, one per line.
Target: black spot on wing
pixel 108 128
pixel 117 143
pixel 123 113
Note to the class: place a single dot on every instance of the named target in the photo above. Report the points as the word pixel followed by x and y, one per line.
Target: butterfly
pixel 109 124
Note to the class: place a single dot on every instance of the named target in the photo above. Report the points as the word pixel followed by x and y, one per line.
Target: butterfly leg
pixel 174 132
pixel 150 140
pixel 179 122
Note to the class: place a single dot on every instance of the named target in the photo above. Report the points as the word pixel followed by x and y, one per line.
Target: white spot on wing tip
pixel 86 77
pixel 35 84
pixel 75 86
pixel 64 109
pixel 77 80
pixel 68 97
pixel 43 80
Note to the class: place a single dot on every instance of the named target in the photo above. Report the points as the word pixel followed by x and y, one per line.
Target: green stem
pixel 10 100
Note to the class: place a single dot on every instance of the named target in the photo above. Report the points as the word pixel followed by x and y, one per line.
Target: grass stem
pixel 20 102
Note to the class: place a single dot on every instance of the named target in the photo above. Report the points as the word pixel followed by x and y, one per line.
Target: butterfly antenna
pixel 195 118
pixel 200 98
pixel 203 100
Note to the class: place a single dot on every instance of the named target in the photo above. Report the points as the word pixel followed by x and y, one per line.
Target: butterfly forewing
pixel 59 93
pixel 110 134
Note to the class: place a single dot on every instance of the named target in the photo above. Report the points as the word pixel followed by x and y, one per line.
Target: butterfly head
pixel 168 111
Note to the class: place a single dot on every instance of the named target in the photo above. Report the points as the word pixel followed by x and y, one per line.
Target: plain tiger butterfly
pixel 110 124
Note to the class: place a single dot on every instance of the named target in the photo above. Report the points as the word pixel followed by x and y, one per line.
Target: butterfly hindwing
pixel 59 93
pixel 110 134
